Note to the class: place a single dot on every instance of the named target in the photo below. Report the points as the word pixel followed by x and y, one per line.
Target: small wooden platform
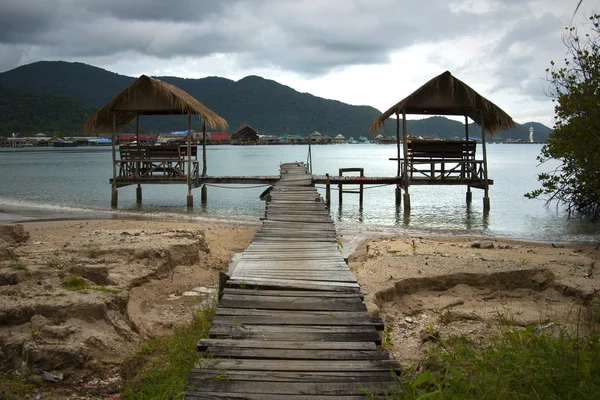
pixel 291 322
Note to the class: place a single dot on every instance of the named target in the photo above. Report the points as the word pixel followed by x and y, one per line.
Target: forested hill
pixel 266 105
pixel 445 128
pixel 32 113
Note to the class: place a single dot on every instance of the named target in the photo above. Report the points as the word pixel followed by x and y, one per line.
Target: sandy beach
pixel 142 278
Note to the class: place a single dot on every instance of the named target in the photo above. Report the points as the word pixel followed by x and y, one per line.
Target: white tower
pixel 531 134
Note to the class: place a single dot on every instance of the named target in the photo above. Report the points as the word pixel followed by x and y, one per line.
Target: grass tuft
pixel 104 289
pixel 14 387
pixel 516 363
pixel 18 266
pixel 159 368
pixel 75 283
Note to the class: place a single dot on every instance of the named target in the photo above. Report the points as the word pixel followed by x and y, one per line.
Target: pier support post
pixel 190 201
pixel 204 195
pixel 138 194
pixel 340 192
pixel 398 196
pixel 328 192
pixel 406 203
pixel 360 195
pixel 486 204
pixel 114 198
pixel 469 195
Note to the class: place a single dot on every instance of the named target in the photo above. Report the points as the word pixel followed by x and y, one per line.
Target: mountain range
pixel 56 97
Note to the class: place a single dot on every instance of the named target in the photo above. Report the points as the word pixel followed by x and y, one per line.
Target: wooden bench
pixel 441 159
pixel 150 161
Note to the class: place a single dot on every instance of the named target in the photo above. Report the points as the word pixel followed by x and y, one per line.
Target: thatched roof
pixel 149 96
pixel 245 132
pixel 447 95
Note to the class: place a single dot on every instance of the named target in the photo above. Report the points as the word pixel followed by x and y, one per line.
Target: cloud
pixel 336 48
pixel 311 36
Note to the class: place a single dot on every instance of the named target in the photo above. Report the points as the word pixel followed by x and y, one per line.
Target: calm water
pixel 73 182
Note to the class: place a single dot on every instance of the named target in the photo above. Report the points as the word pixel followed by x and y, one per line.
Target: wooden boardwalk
pixel 291 322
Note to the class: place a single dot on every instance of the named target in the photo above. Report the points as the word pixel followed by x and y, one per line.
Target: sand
pixel 470 286
pixel 146 277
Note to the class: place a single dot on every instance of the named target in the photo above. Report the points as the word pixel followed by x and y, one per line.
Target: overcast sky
pixel 372 52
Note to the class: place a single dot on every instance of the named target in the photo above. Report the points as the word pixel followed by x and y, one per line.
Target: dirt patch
pixel 466 286
pixel 77 296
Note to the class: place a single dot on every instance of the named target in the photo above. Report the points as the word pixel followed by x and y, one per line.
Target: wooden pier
pixel 433 163
pixel 291 322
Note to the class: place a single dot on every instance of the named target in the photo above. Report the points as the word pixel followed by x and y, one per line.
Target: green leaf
pixel 423 377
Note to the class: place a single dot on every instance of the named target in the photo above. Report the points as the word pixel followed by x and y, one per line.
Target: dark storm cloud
pixel 22 22
pixel 310 37
pixel 158 10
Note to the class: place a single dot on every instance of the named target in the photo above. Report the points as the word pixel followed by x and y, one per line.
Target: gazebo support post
pixel 398 190
pixel 469 193
pixel 203 147
pixel 486 197
pixel 405 177
pixel 190 197
pixel 114 196
pixel 138 190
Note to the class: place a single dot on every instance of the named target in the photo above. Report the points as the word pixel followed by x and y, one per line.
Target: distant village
pixel 245 135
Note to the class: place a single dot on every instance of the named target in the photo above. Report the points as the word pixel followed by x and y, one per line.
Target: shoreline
pixel 350 236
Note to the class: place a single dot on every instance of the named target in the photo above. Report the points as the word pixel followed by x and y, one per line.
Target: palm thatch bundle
pixel 149 96
pixel 447 95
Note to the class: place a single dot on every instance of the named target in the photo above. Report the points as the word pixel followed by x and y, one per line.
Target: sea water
pixel 42 183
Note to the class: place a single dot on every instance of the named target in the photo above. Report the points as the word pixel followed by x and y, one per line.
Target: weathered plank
pixel 292 303
pixel 287 344
pixel 287 293
pixel 276 376
pixel 273 354
pixel 263 396
pixel 292 284
pixel 308 365
pixel 256 312
pixel 297 335
pixel 299 320
pixel 294 388
pixel 327 276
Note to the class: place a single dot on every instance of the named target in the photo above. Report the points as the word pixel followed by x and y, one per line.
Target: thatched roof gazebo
pixel 149 96
pixel 446 95
pixel 339 139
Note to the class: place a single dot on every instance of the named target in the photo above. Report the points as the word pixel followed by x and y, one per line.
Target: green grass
pixel 18 266
pixel 561 363
pixel 159 368
pixel 75 283
pixel 15 387
pixel 104 289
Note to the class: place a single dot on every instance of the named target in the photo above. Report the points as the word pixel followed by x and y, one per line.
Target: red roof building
pixel 221 137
